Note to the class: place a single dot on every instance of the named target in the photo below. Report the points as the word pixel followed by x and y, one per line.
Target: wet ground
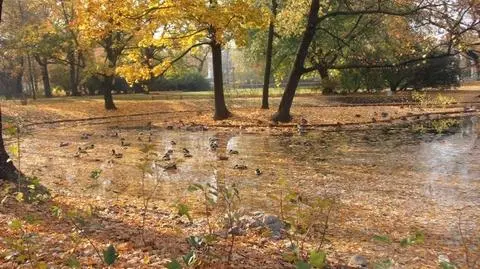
pixel 389 182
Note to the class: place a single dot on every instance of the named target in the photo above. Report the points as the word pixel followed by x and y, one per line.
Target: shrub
pixel 193 81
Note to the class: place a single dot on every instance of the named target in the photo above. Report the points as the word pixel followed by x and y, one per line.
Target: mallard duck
pixel 170 166
pixel 301 129
pixel 117 155
pixel 240 167
pixel 233 152
pixel 64 144
pixel 258 172
pixel 213 145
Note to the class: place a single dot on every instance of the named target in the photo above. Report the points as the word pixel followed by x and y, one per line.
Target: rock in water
pixel 358 261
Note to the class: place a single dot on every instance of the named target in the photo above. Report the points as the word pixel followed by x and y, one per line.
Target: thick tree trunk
pixel 107 93
pixel 221 111
pixel 73 74
pixel 327 89
pixel 8 171
pixel 283 114
pixel 268 58
pixel 46 81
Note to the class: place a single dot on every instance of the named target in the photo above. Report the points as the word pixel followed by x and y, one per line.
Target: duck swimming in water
pixel 117 155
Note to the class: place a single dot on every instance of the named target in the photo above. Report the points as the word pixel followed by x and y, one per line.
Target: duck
pixel 166 157
pixel 258 172
pixel 170 166
pixel 301 129
pixel 233 152
pixel 240 167
pixel 126 144
pixel 64 144
pixel 117 155
pixel 213 145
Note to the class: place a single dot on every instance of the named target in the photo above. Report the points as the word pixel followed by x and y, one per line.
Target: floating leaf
pixel 110 255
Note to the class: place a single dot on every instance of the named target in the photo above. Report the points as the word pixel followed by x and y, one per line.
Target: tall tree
pixel 185 25
pixel 422 14
pixel 8 171
pixel 269 56
pixel 103 24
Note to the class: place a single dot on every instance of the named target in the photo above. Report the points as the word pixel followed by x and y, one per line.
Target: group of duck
pixel 167 157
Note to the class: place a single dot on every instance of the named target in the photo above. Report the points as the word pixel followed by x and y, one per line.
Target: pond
pixel 387 181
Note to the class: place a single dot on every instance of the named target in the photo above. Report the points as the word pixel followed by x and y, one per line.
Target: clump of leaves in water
pixel 426 100
pixel 436 126
pixel 440 126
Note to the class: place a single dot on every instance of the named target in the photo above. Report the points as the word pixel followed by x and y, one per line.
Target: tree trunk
pixel 221 111
pixel 8 171
pixel 283 114
pixel 268 58
pixel 327 89
pixel 31 76
pixel 73 74
pixel 46 81
pixel 107 93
